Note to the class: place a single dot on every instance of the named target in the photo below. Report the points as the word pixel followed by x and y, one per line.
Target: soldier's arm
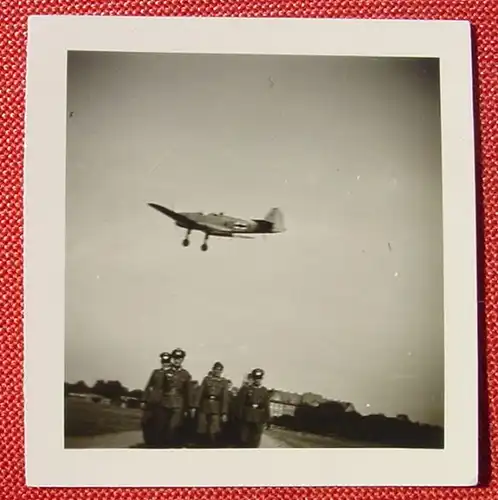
pixel 198 395
pixel 267 405
pixel 188 392
pixel 147 390
pixel 224 398
pixel 149 382
pixel 239 400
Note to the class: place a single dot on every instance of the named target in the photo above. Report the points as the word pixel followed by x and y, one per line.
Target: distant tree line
pixel 331 418
pixel 311 414
pixel 108 389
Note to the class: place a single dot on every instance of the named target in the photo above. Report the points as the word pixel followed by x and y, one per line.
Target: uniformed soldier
pixel 153 395
pixel 253 408
pixel 188 427
pixel 212 405
pixel 229 430
pixel 177 398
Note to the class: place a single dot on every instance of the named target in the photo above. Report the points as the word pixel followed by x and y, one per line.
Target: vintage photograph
pixel 254 252
pixel 249 253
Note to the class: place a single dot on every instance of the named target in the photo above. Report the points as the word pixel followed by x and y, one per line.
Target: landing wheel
pixel 186 241
pixel 204 246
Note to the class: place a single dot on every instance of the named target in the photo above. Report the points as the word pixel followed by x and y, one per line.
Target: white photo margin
pixel 47 462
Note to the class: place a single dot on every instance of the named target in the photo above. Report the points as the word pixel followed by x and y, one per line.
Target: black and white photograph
pixel 254 252
pixel 261 238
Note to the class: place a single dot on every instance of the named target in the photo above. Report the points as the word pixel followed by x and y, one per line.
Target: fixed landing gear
pixel 186 241
pixel 204 246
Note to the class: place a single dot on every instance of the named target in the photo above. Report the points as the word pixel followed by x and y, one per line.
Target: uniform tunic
pixel 177 392
pixel 253 412
pixel 168 395
pixel 154 387
pixel 230 429
pixel 212 403
pixel 151 424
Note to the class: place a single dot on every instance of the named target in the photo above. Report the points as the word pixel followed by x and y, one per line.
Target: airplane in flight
pixel 221 225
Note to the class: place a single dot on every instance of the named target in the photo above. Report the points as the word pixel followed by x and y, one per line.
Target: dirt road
pixel 133 439
pixel 275 438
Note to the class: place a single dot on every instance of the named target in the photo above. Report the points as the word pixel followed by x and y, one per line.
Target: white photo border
pixel 47 462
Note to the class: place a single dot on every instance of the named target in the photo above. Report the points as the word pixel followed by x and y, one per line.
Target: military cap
pixel 218 365
pixel 178 353
pixel 257 373
pixel 165 356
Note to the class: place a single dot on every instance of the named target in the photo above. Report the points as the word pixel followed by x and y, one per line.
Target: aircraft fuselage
pixel 229 224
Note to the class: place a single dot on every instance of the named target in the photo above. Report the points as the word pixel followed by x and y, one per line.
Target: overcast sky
pixel 347 303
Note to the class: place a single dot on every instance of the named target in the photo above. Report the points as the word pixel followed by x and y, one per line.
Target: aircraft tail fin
pixel 276 218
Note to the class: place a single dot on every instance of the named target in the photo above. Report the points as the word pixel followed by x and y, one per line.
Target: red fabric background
pixel 482 13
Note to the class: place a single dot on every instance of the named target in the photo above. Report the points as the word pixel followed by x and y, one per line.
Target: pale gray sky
pixel 347 303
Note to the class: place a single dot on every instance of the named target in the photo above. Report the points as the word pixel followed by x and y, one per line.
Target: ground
pixel 85 418
pixel 93 425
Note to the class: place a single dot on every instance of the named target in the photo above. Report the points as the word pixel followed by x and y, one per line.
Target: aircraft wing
pixel 176 216
pixel 214 229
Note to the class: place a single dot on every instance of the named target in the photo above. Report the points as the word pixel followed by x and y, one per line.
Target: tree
pixel 112 389
pixel 79 387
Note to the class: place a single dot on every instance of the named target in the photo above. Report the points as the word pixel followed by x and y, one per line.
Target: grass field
pixel 85 418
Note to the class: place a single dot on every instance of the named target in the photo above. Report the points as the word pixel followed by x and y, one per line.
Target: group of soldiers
pixel 176 414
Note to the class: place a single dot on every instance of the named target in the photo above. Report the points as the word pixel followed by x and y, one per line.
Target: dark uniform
pixel 177 398
pixel 212 405
pixel 233 426
pixel 229 431
pixel 253 409
pixel 153 394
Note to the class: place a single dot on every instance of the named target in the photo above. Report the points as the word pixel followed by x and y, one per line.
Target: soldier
pixel 153 396
pixel 229 431
pixel 253 409
pixel 177 398
pixel 188 427
pixel 212 405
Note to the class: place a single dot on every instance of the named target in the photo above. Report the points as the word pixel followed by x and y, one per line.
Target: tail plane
pixel 276 218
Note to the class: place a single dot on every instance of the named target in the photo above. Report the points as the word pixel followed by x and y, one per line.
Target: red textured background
pixel 482 13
